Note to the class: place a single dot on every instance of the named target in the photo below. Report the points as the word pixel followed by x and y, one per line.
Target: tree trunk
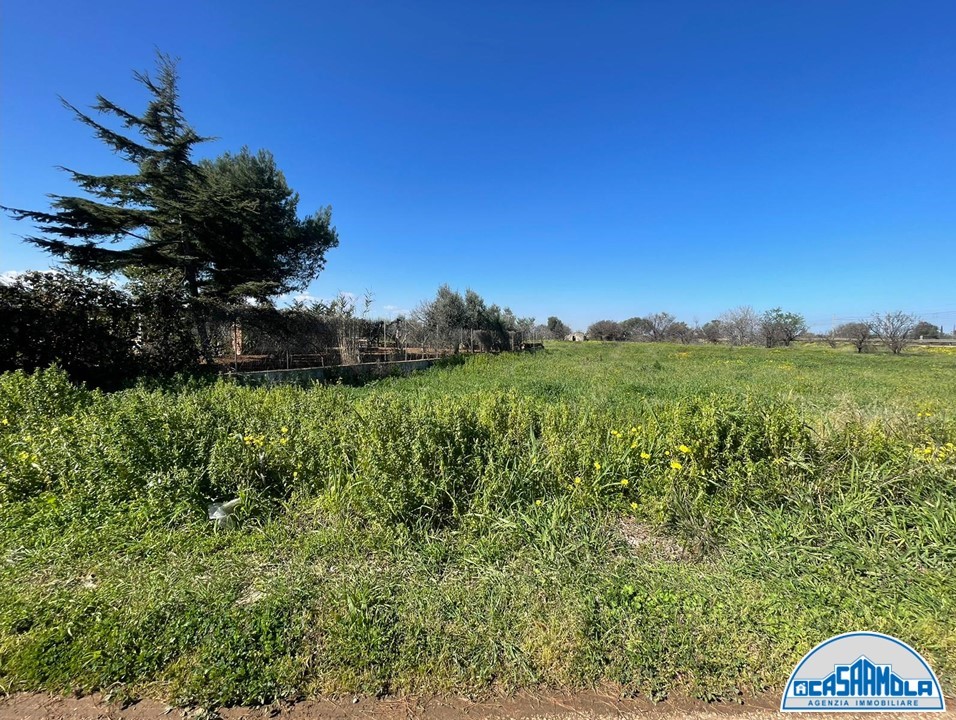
pixel 198 312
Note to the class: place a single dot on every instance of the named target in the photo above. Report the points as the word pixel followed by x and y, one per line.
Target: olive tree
pixel 681 332
pixel 781 328
pixel 637 329
pixel 557 329
pixel 711 331
pixel 605 330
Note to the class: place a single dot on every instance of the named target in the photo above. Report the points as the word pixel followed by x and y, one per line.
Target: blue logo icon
pixel 862 671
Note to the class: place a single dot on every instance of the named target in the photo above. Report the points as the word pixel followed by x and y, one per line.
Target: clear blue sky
pixel 590 159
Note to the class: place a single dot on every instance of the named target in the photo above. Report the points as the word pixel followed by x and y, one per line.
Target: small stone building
pixel 576 337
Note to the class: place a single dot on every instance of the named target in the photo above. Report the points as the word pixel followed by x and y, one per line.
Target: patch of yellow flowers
pixel 935 453
pixel 259 439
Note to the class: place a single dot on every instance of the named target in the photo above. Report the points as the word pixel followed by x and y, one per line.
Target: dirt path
pixel 592 705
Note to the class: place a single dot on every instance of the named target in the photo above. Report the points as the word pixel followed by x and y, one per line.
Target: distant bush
pixel 606 330
pixel 926 331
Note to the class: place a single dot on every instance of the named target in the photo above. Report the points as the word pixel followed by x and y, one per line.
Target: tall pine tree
pixel 213 231
pixel 148 214
pixel 250 221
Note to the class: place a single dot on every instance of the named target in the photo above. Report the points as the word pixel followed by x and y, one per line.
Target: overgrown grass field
pixel 671 520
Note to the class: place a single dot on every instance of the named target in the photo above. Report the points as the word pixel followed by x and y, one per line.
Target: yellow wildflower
pixel 577 481
pixel 624 482
pixel 676 465
pixel 645 456
pixel 4 422
pixel 633 506
pixel 538 503
pixel 684 449
pixel 284 429
pixel 597 465
pixel 284 441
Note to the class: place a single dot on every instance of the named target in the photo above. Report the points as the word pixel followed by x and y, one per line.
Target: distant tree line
pixel 745 326
pixel 741 326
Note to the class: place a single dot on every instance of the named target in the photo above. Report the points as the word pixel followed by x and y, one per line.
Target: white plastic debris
pixel 221 513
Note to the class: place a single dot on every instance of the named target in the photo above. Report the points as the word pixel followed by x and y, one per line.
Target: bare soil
pixel 590 705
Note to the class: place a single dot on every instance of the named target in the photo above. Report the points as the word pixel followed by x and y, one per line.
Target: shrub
pixel 85 326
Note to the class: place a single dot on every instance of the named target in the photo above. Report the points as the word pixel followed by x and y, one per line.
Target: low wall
pixel 345 373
